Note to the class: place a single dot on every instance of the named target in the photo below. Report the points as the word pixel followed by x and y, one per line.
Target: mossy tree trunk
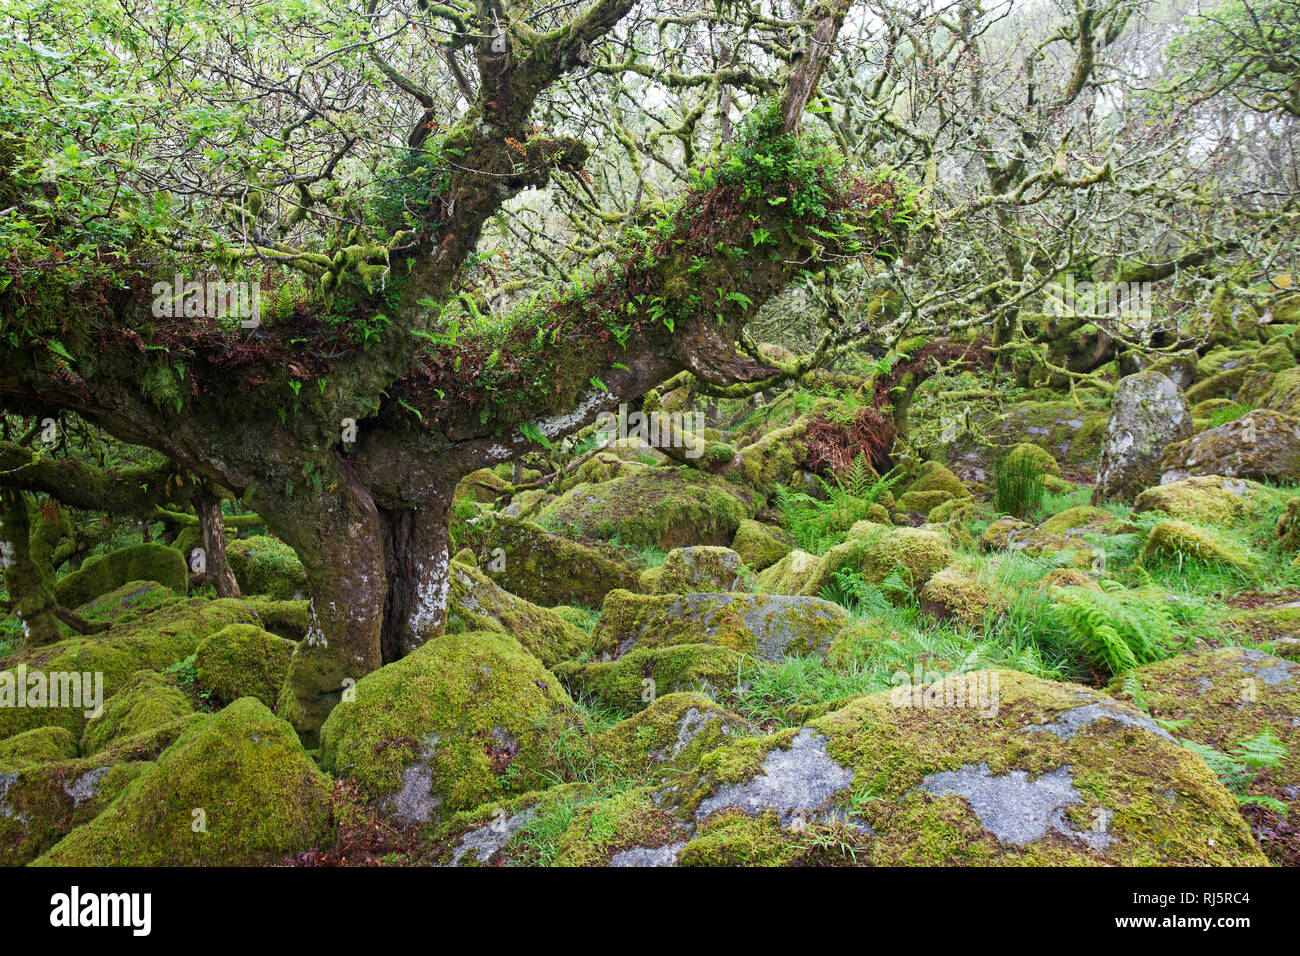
pixel 30 586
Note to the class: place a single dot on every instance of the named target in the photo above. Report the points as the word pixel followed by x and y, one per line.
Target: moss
pixel 1068 578
pixel 1183 541
pixel 1012 534
pixel 262 799
pixel 465 719
pixel 625 821
pixel 688 570
pixel 922 502
pixel 1288 527
pixel 934 476
pixel 1072 434
pixel 287 619
pixel 541 566
pixel 477 604
pixel 1263 624
pixel 1222 698
pixel 793 572
pixel 775 457
pixel 484 486
pixel 719 455
pixel 130 601
pixel 146 701
pixel 671 734
pixel 661 507
pixel 142 562
pixel 858 641
pixel 153 642
pixel 1222 385
pixel 958 510
pixel 40 803
pixel 40 745
pixel 265 565
pixel 962 591
pixel 883 784
pixel 242 660
pixel 914 554
pixel 760 545
pixel 642 674
pixel 1081 520
pixel 768 626
pixel 1210 499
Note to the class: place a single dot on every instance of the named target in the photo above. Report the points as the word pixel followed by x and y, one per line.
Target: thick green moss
pixel 541 566
pixel 1012 534
pixel 141 562
pixel 766 625
pixel 465 719
pixel 962 590
pixel 130 601
pixel 760 545
pixel 265 565
pixel 147 701
pixel 287 619
pixel 1082 520
pixel 662 507
pixel 914 554
pixel 1038 773
pixel 477 604
pixel 242 660
pixel 1211 499
pixel 40 745
pixel 1222 698
pixel 261 798
pixel 704 568
pixel 40 803
pixel 643 673
pixel 160 638
pixel 1183 541
pixel 671 734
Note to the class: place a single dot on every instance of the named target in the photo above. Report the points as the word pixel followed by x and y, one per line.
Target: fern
pixel 818 523
pixel 1239 769
pixel 1116 628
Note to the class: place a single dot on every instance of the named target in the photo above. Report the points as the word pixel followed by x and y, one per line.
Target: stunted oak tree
pixel 345 158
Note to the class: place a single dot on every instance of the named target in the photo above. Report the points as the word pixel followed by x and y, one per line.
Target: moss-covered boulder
pixel 146 702
pixel 1012 534
pixel 158 639
pixel 913 554
pixel 761 545
pixel 1183 541
pixel 662 507
pixel 790 574
pixel 236 789
pixel 1288 527
pixel 141 562
pixel 265 565
pixel 41 802
pixel 768 626
pixel 1262 445
pixel 484 486
pixel 1223 698
pixel 1211 499
pixel 477 604
pixel 1148 413
pixel 1076 522
pixel 465 719
pixel 242 660
pixel 130 601
pixel 687 570
pixel 672 733
pixel 962 591
pixel 636 679
pixel 1071 432
pixel 541 566
pixel 39 745
pixel 990 768
pixel 1281 393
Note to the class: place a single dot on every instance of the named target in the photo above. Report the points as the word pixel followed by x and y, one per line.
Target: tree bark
pixel 30 586
pixel 213 527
